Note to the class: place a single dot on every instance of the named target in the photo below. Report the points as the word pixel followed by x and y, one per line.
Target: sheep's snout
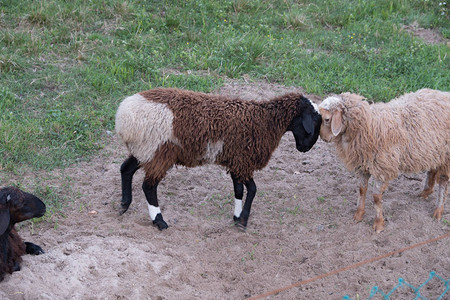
pixel 326 133
pixel 40 208
pixel 303 148
pixel 326 140
pixel 306 130
pixel 33 207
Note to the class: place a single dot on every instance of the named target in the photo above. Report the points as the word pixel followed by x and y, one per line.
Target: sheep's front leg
pixel 443 191
pixel 251 192
pixel 127 170
pixel 361 205
pixel 429 184
pixel 150 191
pixel 241 215
pixel 238 195
pixel 379 189
pixel 33 249
pixel 16 266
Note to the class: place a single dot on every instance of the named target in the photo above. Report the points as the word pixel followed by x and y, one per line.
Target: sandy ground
pixel 301 226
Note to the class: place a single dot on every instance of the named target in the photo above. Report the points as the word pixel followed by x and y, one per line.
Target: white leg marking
pixel 237 207
pixel 153 211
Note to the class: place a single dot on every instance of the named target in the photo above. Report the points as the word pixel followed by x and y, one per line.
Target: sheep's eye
pixel 327 120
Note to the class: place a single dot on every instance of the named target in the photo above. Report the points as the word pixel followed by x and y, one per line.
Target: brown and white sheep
pixel 16 206
pixel 409 134
pixel 166 127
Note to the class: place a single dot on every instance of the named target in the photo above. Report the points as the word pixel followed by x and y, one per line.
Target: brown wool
pixel 196 123
pixel 15 250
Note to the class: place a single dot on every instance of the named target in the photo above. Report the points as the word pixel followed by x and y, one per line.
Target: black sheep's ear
pixel 4 213
pixel 307 123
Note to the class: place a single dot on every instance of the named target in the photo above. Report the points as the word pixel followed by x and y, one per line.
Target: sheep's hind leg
pixel 150 191
pixel 361 205
pixel 429 184
pixel 443 191
pixel 127 170
pixel 251 192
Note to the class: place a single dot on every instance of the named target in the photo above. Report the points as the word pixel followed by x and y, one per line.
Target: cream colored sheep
pixel 409 134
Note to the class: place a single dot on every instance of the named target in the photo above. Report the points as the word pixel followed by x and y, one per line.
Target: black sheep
pixel 16 206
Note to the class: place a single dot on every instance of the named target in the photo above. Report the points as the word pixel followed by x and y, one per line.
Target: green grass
pixel 66 65
pixel 220 203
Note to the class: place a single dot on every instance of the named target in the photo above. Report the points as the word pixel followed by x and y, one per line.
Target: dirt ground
pixel 301 226
pixel 430 36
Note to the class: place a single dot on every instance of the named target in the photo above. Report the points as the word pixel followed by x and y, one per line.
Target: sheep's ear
pixel 307 123
pixel 336 123
pixel 4 211
pixel 4 220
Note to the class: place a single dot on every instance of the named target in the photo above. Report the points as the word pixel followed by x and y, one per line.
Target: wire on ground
pixel 401 282
pixel 361 263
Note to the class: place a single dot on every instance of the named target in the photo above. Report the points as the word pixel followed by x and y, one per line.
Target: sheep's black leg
pixel 153 208
pixel 251 192
pixel 16 266
pixel 127 170
pixel 33 249
pixel 238 195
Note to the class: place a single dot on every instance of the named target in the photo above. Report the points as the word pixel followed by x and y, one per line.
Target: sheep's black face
pixel 306 128
pixel 22 206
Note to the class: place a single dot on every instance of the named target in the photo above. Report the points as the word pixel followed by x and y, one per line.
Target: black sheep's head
pixel 17 206
pixel 306 125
